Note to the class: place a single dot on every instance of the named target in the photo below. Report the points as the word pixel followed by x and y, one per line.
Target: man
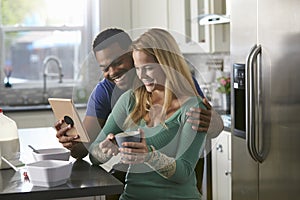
pixel 111 49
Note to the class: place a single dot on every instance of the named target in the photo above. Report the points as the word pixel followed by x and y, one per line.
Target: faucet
pixel 46 61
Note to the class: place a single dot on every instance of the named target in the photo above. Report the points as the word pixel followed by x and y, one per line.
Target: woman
pixel 162 164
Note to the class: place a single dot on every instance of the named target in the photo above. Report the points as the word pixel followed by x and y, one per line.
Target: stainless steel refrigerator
pixel 265 58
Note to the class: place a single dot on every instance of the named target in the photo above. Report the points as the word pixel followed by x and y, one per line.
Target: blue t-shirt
pixel 102 99
pixel 105 95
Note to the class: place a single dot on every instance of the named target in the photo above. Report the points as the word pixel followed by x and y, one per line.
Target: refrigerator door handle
pixel 248 104
pixel 251 104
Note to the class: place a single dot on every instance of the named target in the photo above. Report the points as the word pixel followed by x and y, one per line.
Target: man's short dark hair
pixel 110 36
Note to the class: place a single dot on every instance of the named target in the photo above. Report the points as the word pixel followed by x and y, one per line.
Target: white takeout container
pixel 49 173
pixel 51 154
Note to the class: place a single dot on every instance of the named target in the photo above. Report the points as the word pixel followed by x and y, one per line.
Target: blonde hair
pixel 163 47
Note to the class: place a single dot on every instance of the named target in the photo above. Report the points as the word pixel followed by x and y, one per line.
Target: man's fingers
pixel 58 124
pixel 200 118
pixel 63 131
pixel 200 129
pixel 68 145
pixel 199 126
pixel 194 110
pixel 206 103
pixel 198 123
pixel 197 115
pixel 65 139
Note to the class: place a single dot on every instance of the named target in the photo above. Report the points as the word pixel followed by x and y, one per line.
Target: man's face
pixel 115 64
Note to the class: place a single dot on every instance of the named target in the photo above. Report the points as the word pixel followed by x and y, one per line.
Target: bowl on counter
pixel 49 173
pixel 51 154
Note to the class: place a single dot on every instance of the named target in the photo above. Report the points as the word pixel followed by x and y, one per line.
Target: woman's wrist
pixel 149 155
pixel 164 165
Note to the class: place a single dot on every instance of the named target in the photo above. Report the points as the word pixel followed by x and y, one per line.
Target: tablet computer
pixel 64 109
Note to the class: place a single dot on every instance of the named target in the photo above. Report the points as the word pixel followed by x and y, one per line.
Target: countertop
pixel 9 109
pixel 226 117
pixel 227 122
pixel 85 180
pixel 39 107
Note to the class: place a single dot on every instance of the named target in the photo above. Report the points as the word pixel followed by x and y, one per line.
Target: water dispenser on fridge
pixel 239 110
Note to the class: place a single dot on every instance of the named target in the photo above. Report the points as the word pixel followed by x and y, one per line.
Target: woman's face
pixel 148 71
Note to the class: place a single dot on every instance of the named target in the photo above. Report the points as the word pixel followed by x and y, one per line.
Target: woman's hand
pixel 109 146
pixel 134 152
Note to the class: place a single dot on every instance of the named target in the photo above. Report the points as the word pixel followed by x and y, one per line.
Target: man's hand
pixel 61 133
pixel 200 118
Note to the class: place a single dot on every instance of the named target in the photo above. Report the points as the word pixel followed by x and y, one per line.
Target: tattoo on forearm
pixel 99 155
pixel 164 165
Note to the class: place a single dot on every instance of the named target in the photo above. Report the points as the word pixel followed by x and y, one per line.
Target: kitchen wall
pixel 34 93
pixel 201 62
pixel 122 14
pixel 30 96
pixel 201 45
pixel 206 70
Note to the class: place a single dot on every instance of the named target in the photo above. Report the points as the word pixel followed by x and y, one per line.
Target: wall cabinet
pixel 180 17
pixel 147 13
pixel 177 16
pixel 200 39
pixel 115 13
pixel 221 166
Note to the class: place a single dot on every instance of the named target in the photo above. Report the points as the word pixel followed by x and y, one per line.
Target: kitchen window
pixel 33 30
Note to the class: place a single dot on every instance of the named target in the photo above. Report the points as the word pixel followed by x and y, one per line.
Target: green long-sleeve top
pixel 175 140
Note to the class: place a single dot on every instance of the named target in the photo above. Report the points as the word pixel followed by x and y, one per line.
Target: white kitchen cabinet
pixel 177 16
pixel 210 38
pixel 221 166
pixel 147 13
pixel 180 18
pixel 115 14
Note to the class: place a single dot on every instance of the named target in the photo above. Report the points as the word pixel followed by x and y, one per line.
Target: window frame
pixel 31 92
pixel 88 29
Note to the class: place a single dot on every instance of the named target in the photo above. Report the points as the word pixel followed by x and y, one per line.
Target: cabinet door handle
pixel 227 173
pixel 220 148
